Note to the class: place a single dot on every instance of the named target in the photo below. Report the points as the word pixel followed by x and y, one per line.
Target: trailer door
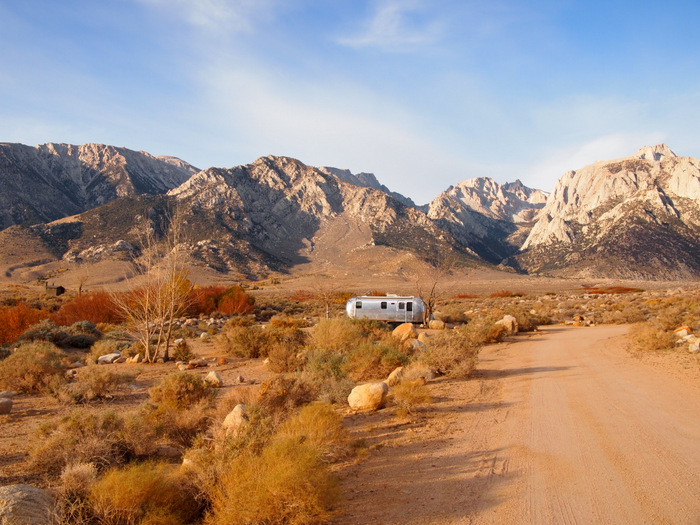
pixel 409 310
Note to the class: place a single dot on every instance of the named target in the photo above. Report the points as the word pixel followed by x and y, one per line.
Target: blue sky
pixel 422 93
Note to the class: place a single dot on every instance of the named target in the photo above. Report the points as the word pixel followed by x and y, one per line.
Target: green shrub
pixel 44 331
pixel 326 370
pixel 373 361
pixel 33 368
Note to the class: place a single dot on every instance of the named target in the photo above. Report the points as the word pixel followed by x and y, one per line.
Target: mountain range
pixel 634 218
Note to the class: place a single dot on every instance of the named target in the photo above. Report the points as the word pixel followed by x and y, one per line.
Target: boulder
pixel 213 379
pixel 436 324
pixel 5 405
pixel 370 396
pixel 395 377
pixel 423 338
pixel 236 419
pixel 25 505
pixel 510 323
pixel 405 331
pixel 108 359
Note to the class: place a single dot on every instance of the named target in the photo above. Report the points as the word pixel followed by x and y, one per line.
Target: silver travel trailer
pixel 391 308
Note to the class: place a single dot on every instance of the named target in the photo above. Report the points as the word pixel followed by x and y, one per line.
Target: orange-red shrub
pixel 96 307
pixel 302 296
pixel 14 320
pixel 506 293
pixel 228 301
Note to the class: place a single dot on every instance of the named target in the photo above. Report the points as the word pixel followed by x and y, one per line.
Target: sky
pixel 424 94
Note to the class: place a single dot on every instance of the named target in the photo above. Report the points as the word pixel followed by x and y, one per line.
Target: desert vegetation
pixel 178 448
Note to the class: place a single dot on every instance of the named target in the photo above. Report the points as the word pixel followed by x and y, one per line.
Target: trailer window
pixel 401 306
pixel 358 304
pixel 409 307
pixel 383 305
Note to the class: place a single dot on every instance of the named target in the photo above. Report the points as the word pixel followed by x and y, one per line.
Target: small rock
pixel 7 393
pixel 213 379
pixel 682 331
pixel 204 335
pixel 168 451
pixel 240 380
pixel 5 405
pixel 108 359
pixel 221 361
pixel 423 338
pixel 694 348
pixel 436 324
pixel 415 345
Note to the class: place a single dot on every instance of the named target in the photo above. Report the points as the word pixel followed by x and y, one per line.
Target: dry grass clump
pixel 84 437
pixel 33 368
pixel 651 337
pixel 287 484
pixel 454 353
pixel 408 395
pixel 339 334
pixel 94 383
pixel 287 480
pixel 282 338
pixel 144 493
pixel 181 390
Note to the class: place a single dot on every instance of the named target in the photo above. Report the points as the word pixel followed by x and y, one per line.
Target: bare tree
pixel 427 283
pixel 151 308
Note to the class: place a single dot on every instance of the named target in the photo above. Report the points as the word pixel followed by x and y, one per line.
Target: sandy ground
pixel 562 427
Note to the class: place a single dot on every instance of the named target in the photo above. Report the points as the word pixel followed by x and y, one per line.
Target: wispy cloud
pixel 396 25
pixel 215 15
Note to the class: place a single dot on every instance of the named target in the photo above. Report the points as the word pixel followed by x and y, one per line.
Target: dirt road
pixel 562 428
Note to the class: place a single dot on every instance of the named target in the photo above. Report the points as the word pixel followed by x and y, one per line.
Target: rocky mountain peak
pixel 655 153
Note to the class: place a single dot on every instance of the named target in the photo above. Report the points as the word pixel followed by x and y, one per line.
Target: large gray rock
pixel 370 396
pixel 25 505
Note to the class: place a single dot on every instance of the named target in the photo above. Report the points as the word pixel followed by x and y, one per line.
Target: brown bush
pixel 33 368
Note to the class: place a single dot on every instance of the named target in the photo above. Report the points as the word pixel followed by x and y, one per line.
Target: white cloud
pixel 395 25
